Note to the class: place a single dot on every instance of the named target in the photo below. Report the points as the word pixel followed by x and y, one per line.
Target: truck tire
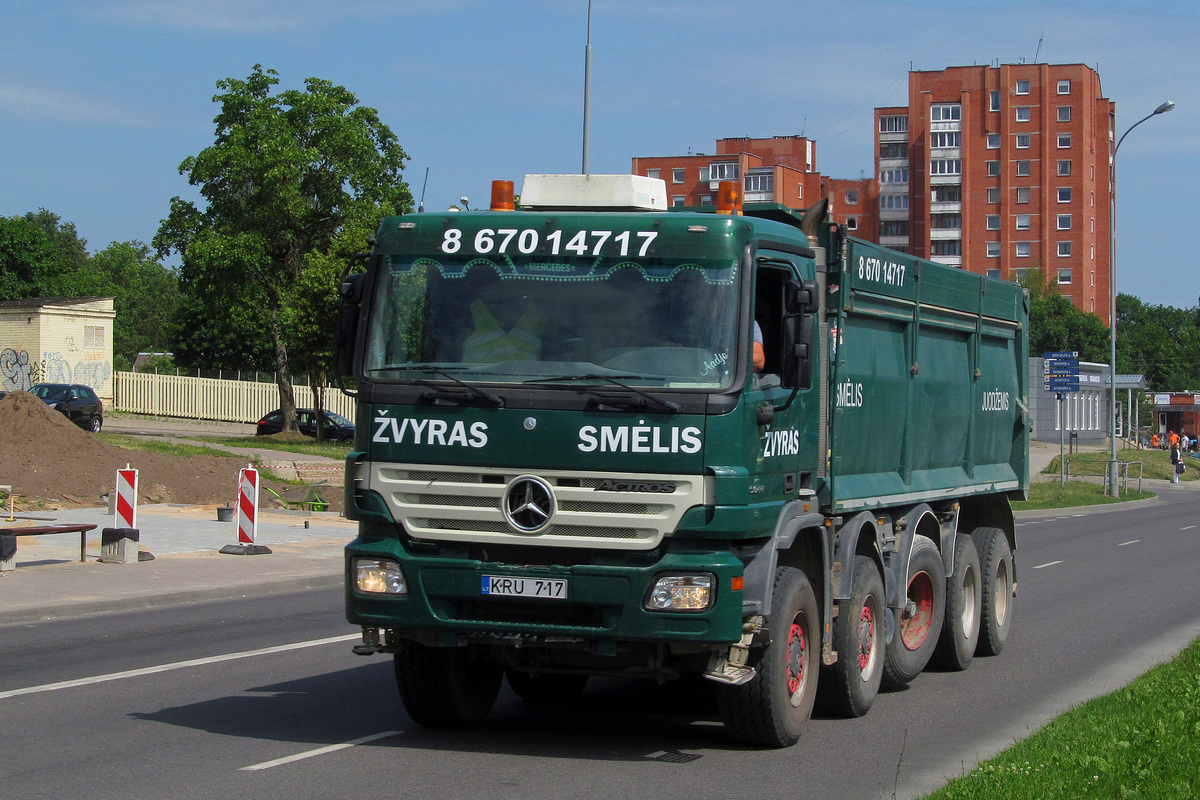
pixel 997 578
pixel 960 631
pixel 773 708
pixel 446 687
pixel 920 621
pixel 549 688
pixel 849 686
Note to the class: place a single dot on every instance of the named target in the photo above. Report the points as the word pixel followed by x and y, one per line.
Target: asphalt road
pixel 181 703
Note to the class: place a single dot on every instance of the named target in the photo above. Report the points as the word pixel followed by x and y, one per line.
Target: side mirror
pixel 801 297
pixel 351 292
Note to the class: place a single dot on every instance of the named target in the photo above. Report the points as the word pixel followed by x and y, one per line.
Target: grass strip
pixel 1051 494
pixel 1142 741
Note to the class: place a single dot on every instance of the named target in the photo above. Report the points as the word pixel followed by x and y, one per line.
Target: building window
pixel 993 250
pixel 893 227
pixel 893 202
pixel 945 139
pixel 852 223
pixel 761 182
pixel 1064 141
pixel 945 166
pixel 1064 87
pixel 993 169
pixel 1023 169
pixel 1023 194
pixel 1064 249
pixel 1064 168
pixel 677 200
pixel 946 247
pixel 1022 113
pixel 1064 113
pixel 893 124
pixel 945 221
pixel 1022 249
pixel 93 337
pixel 1019 274
pixel 993 194
pixel 1064 275
pixel 651 173
pixel 993 141
pixel 1022 87
pixel 800 192
pixel 723 171
pixel 706 200
pixel 1023 222
pixel 704 174
pixel 1064 194
pixel 1064 222
pixel 993 222
pixel 677 175
pixel 1022 141
pixel 993 100
pixel 946 112
pixel 852 197
pixel 893 175
pixel 993 272
pixel 946 193
pixel 893 149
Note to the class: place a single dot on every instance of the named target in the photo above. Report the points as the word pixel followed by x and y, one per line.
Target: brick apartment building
pixel 781 169
pixel 1000 170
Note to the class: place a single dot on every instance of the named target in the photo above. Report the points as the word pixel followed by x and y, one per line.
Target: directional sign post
pixel 1060 371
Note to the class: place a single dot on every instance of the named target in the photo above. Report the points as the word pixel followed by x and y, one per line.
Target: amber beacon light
pixel 729 198
pixel 502 196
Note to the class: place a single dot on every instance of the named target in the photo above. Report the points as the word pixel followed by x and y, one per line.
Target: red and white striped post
pixel 125 510
pixel 247 514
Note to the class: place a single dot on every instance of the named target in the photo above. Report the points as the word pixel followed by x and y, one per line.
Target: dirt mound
pixel 47 458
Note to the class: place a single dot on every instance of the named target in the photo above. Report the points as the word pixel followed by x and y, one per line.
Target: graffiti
pixel 93 373
pixel 70 343
pixel 56 368
pixel 15 371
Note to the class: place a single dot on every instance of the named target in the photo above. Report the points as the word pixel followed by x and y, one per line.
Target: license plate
pixel 509 586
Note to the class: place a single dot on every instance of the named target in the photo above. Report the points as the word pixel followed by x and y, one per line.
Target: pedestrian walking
pixel 1176 463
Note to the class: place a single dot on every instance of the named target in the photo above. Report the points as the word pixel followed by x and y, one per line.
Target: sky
pixel 100 102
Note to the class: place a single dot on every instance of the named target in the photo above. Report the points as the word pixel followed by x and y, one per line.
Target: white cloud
pixel 41 104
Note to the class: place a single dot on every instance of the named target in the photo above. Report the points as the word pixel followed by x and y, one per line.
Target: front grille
pixel 544 614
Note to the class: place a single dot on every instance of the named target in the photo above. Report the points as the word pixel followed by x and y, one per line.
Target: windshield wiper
pixel 667 404
pixel 489 397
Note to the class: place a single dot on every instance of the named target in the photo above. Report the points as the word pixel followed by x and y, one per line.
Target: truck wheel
pixel 920 621
pixel 773 708
pixel 545 688
pixel 960 631
pixel 997 576
pixel 849 686
pixel 446 687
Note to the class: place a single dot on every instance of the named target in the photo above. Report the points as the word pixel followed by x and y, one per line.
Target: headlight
pixel 681 593
pixel 378 576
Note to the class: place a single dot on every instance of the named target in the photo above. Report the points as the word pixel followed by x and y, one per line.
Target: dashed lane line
pixel 320 751
pixel 194 662
pixel 1048 564
pixel 1131 541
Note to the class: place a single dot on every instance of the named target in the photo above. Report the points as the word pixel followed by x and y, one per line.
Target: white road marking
pixel 320 751
pixel 1188 528
pixel 1131 541
pixel 1048 564
pixel 195 662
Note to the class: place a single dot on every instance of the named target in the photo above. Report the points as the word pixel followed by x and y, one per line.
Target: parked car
pixel 78 402
pixel 337 427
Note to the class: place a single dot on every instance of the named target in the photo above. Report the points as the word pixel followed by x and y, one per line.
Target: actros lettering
pixel 609 485
pixel 995 401
pixel 435 432
pixel 638 439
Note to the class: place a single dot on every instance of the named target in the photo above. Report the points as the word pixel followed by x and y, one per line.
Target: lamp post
pixel 1111 488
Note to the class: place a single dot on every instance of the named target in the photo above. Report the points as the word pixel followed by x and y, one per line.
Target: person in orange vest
pixel 1174 438
pixel 1154 441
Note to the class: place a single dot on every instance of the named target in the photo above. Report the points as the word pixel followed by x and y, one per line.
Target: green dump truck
pixel 568 463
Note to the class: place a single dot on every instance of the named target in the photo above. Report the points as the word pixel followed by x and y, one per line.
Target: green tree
pixel 1056 325
pixel 1160 342
pixel 37 259
pixel 145 295
pixel 287 173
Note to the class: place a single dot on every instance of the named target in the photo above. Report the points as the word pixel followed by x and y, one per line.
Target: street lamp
pixel 1111 488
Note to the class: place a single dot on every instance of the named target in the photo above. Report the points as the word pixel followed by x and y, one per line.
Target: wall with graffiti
pixel 56 341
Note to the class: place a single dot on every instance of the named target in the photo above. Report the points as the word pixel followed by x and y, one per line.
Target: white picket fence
pixel 210 398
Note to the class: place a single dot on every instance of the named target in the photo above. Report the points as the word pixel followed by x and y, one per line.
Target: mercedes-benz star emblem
pixel 528 504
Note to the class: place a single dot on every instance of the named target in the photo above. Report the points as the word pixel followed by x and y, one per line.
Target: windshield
pixel 50 392
pixel 648 321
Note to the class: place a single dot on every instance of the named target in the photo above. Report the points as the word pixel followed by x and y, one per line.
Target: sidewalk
pixel 50 582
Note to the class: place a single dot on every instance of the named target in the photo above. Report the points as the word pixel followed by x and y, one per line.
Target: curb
pixel 141 602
